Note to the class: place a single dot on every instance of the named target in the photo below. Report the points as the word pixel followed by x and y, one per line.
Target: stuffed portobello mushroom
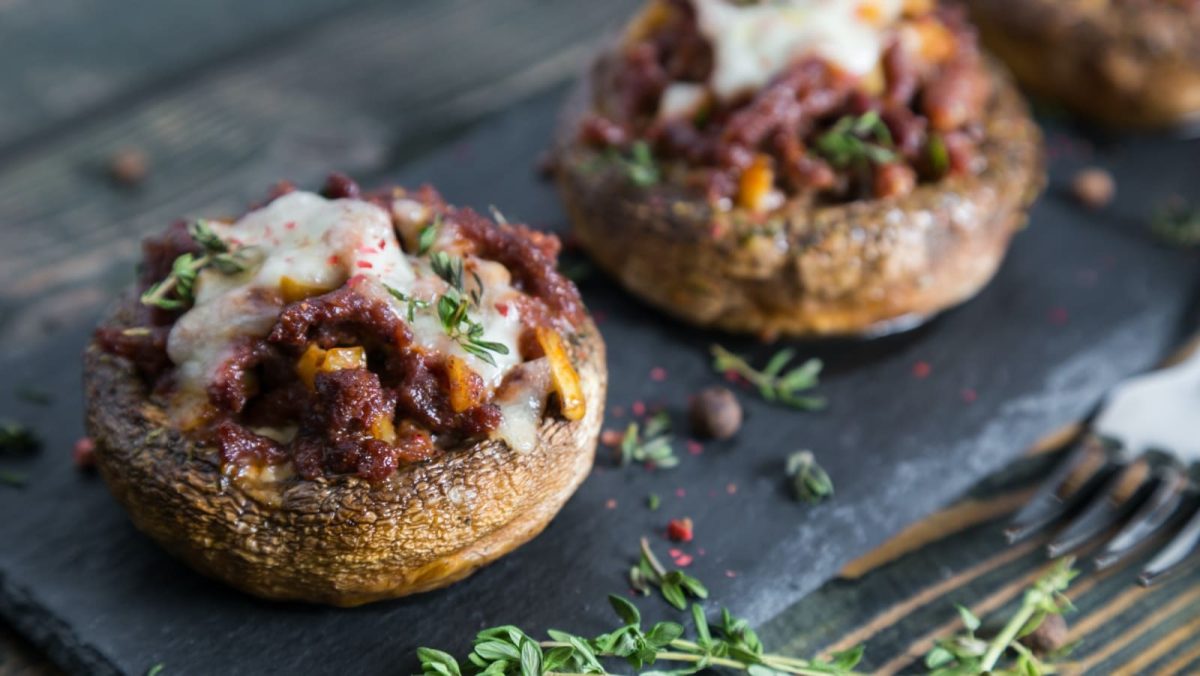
pixel 344 397
pixel 1124 63
pixel 798 167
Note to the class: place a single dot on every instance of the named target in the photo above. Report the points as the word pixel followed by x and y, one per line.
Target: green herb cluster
pixel 676 586
pixel 966 654
pixel 649 445
pixel 857 139
pixel 730 645
pixel 1177 223
pixel 772 383
pixel 639 164
pixel 177 290
pixel 18 439
pixel 453 307
pixel 810 482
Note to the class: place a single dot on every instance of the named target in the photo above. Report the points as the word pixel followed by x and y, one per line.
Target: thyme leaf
pixel 857 139
pixel 456 322
pixel 772 383
pixel 675 585
pixel 651 445
pixel 413 304
pixel 428 236
pixel 810 483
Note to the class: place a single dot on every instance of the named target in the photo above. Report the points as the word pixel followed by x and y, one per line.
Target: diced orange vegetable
pixel 383 430
pixel 315 359
pixel 755 184
pixel 562 374
pixel 917 7
pixel 340 358
pixel 874 82
pixel 463 395
pixel 307 365
pixel 293 289
pixel 870 12
pixel 937 42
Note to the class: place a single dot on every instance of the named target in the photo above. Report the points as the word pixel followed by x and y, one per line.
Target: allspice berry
pixel 715 413
pixel 128 166
pixel 1049 637
pixel 1094 188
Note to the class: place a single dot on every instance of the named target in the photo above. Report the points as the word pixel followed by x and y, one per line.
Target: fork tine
pixel 1122 492
pixel 1154 513
pixel 1049 504
pixel 1178 551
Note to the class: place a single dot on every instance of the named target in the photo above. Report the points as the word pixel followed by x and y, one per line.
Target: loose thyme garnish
pixel 731 645
pixel 17 439
pixel 810 483
pixel 968 654
pixel 857 139
pixel 13 479
pixel 1177 223
pixel 639 165
pixel 771 384
pixel 413 304
pixel 453 307
pixel 176 291
pixel 676 586
pixel 652 445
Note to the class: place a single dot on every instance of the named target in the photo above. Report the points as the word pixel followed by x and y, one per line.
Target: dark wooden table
pixel 223 97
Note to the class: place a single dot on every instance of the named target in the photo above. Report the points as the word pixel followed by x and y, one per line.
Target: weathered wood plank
pixel 64 59
pixel 361 93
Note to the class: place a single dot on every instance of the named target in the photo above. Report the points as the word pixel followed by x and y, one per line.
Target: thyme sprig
pixel 675 585
pixel 731 645
pixel 453 307
pixel 1177 223
pixel 413 304
pixel 428 236
pixel 176 291
pixel 772 383
pixel 651 445
pixel 810 482
pixel 966 653
pixel 857 139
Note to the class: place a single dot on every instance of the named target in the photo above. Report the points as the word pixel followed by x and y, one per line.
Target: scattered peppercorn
pixel 680 530
pixel 1049 637
pixel 1093 187
pixel 84 454
pixel 128 166
pixel 715 413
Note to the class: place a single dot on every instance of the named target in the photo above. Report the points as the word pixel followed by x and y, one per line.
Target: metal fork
pixel 1134 471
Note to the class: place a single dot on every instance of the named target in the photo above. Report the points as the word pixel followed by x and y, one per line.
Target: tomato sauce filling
pixel 813 130
pixel 340 383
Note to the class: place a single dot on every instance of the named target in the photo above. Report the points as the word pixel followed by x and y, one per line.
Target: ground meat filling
pixel 368 420
pixel 927 107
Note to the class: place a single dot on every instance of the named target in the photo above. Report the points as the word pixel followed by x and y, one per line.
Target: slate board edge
pixel 55 638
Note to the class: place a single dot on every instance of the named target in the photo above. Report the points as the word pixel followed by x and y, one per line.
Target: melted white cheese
pixel 325 244
pixel 754 43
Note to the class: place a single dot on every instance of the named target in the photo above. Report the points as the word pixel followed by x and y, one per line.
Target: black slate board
pixel 1081 302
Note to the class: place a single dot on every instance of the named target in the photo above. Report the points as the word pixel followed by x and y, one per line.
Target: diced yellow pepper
pixel 340 358
pixel 562 374
pixel 755 184
pixel 307 365
pixel 462 397
pixel 655 15
pixel 294 290
pixel 383 430
pixel 937 42
pixel 316 359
